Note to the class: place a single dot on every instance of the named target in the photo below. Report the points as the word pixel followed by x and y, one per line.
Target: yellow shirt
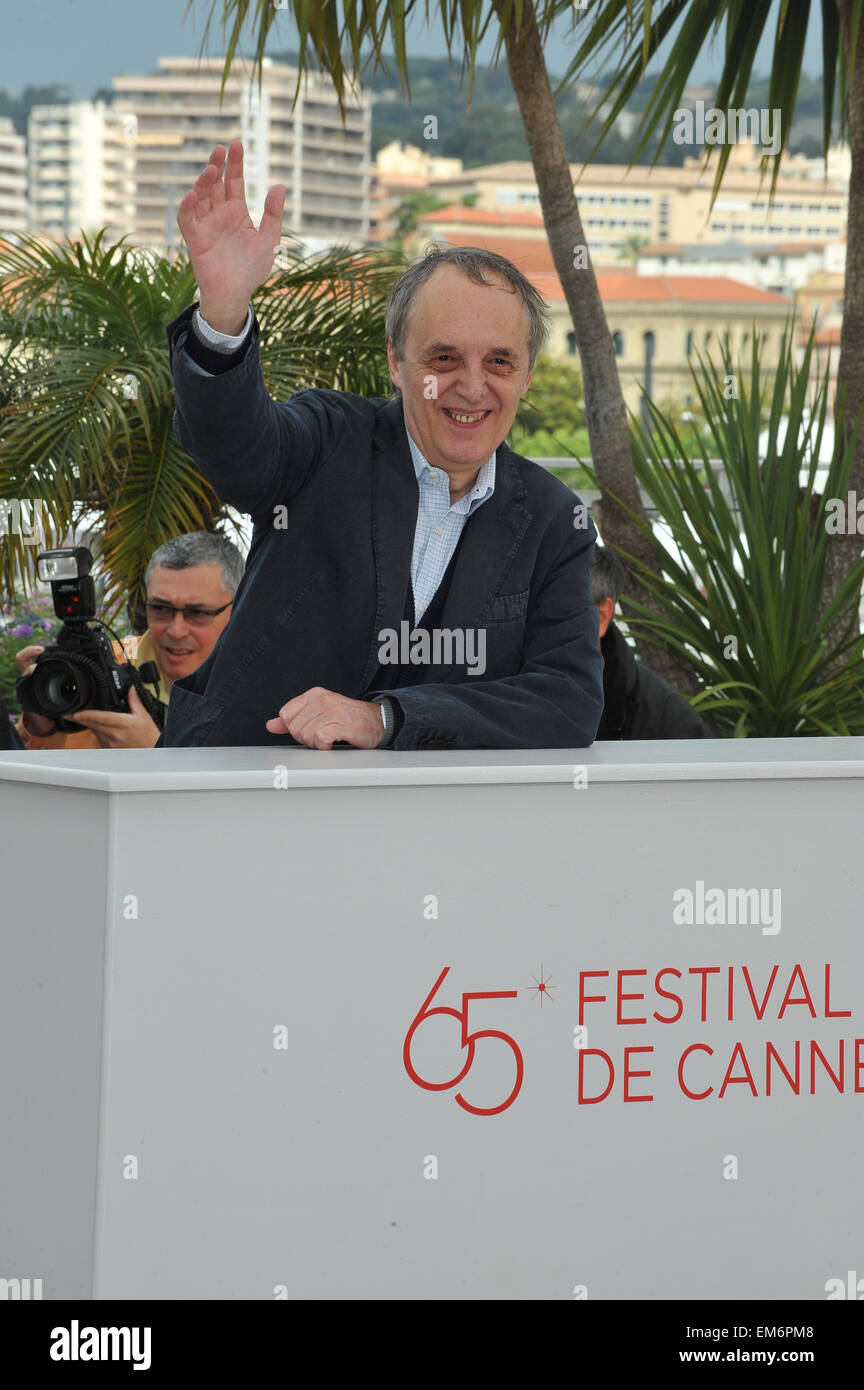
pixel 138 650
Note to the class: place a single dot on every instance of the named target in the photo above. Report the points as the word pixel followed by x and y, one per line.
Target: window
pixel 688 345
pixel 572 349
pixel 618 342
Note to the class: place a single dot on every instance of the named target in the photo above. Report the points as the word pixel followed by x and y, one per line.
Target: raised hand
pixel 230 257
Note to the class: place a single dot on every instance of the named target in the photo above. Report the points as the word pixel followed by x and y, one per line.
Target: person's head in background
pixel 198 572
pixel 607 581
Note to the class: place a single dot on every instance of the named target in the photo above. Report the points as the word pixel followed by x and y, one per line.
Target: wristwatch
pixel 388 719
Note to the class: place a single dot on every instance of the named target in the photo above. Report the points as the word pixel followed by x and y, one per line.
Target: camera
pixel 80 672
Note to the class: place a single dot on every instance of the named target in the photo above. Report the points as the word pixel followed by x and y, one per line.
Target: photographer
pixel 191 581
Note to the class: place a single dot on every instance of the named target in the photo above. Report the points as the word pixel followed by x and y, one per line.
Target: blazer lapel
pixel 395 499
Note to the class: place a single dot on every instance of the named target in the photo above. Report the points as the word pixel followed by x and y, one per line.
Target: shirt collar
pixel 484 483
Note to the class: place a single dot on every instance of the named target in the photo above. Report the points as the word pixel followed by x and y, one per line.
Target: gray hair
pixel 607 575
pixel 473 260
pixel 200 548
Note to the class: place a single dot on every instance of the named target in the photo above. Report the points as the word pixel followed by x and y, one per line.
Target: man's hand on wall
pixel 319 718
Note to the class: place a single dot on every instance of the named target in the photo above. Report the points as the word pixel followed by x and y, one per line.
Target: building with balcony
pixel 13 179
pixel 619 204
pixel 323 163
pixel 80 168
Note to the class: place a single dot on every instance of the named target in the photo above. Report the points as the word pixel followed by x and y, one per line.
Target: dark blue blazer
pixel 317 592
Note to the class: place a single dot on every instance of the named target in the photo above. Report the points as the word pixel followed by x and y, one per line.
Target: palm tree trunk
pixel 843 551
pixel 606 414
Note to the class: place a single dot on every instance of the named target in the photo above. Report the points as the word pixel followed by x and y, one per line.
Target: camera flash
pixel 65 567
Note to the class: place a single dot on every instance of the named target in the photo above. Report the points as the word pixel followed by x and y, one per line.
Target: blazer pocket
pixel 190 716
pixel 506 608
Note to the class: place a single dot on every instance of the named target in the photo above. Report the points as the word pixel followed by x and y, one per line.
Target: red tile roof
pixel 528 253
pixel 621 284
pixel 482 217
pixel 624 287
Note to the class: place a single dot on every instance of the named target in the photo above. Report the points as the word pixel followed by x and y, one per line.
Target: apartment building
pixel 618 204
pixel 179 118
pixel 13 179
pixel 80 168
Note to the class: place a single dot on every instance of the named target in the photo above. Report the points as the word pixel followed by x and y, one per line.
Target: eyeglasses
pixel 195 616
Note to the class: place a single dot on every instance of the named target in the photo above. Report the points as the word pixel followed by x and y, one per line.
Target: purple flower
pixel 46 626
pixel 22 630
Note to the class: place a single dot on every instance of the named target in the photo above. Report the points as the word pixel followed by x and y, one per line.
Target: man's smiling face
pixel 463 371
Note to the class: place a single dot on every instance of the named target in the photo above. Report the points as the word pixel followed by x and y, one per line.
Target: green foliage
pixel 550 421
pixel 630 248
pixel 554 400
pixel 751 568
pixel 32 623
pixel 552 444
pixel 87 396
pixel 407 212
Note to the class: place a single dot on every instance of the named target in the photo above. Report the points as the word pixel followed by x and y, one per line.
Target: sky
pixel 82 43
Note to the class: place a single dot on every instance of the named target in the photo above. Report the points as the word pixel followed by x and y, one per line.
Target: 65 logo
pixel 469 1040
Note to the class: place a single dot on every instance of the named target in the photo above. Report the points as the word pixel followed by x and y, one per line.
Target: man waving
pixel 412 583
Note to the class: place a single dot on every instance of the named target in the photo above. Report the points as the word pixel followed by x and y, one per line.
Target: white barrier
pixel 225 1076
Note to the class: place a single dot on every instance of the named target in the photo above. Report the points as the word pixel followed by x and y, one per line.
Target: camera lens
pixel 60 691
pixel 61 687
